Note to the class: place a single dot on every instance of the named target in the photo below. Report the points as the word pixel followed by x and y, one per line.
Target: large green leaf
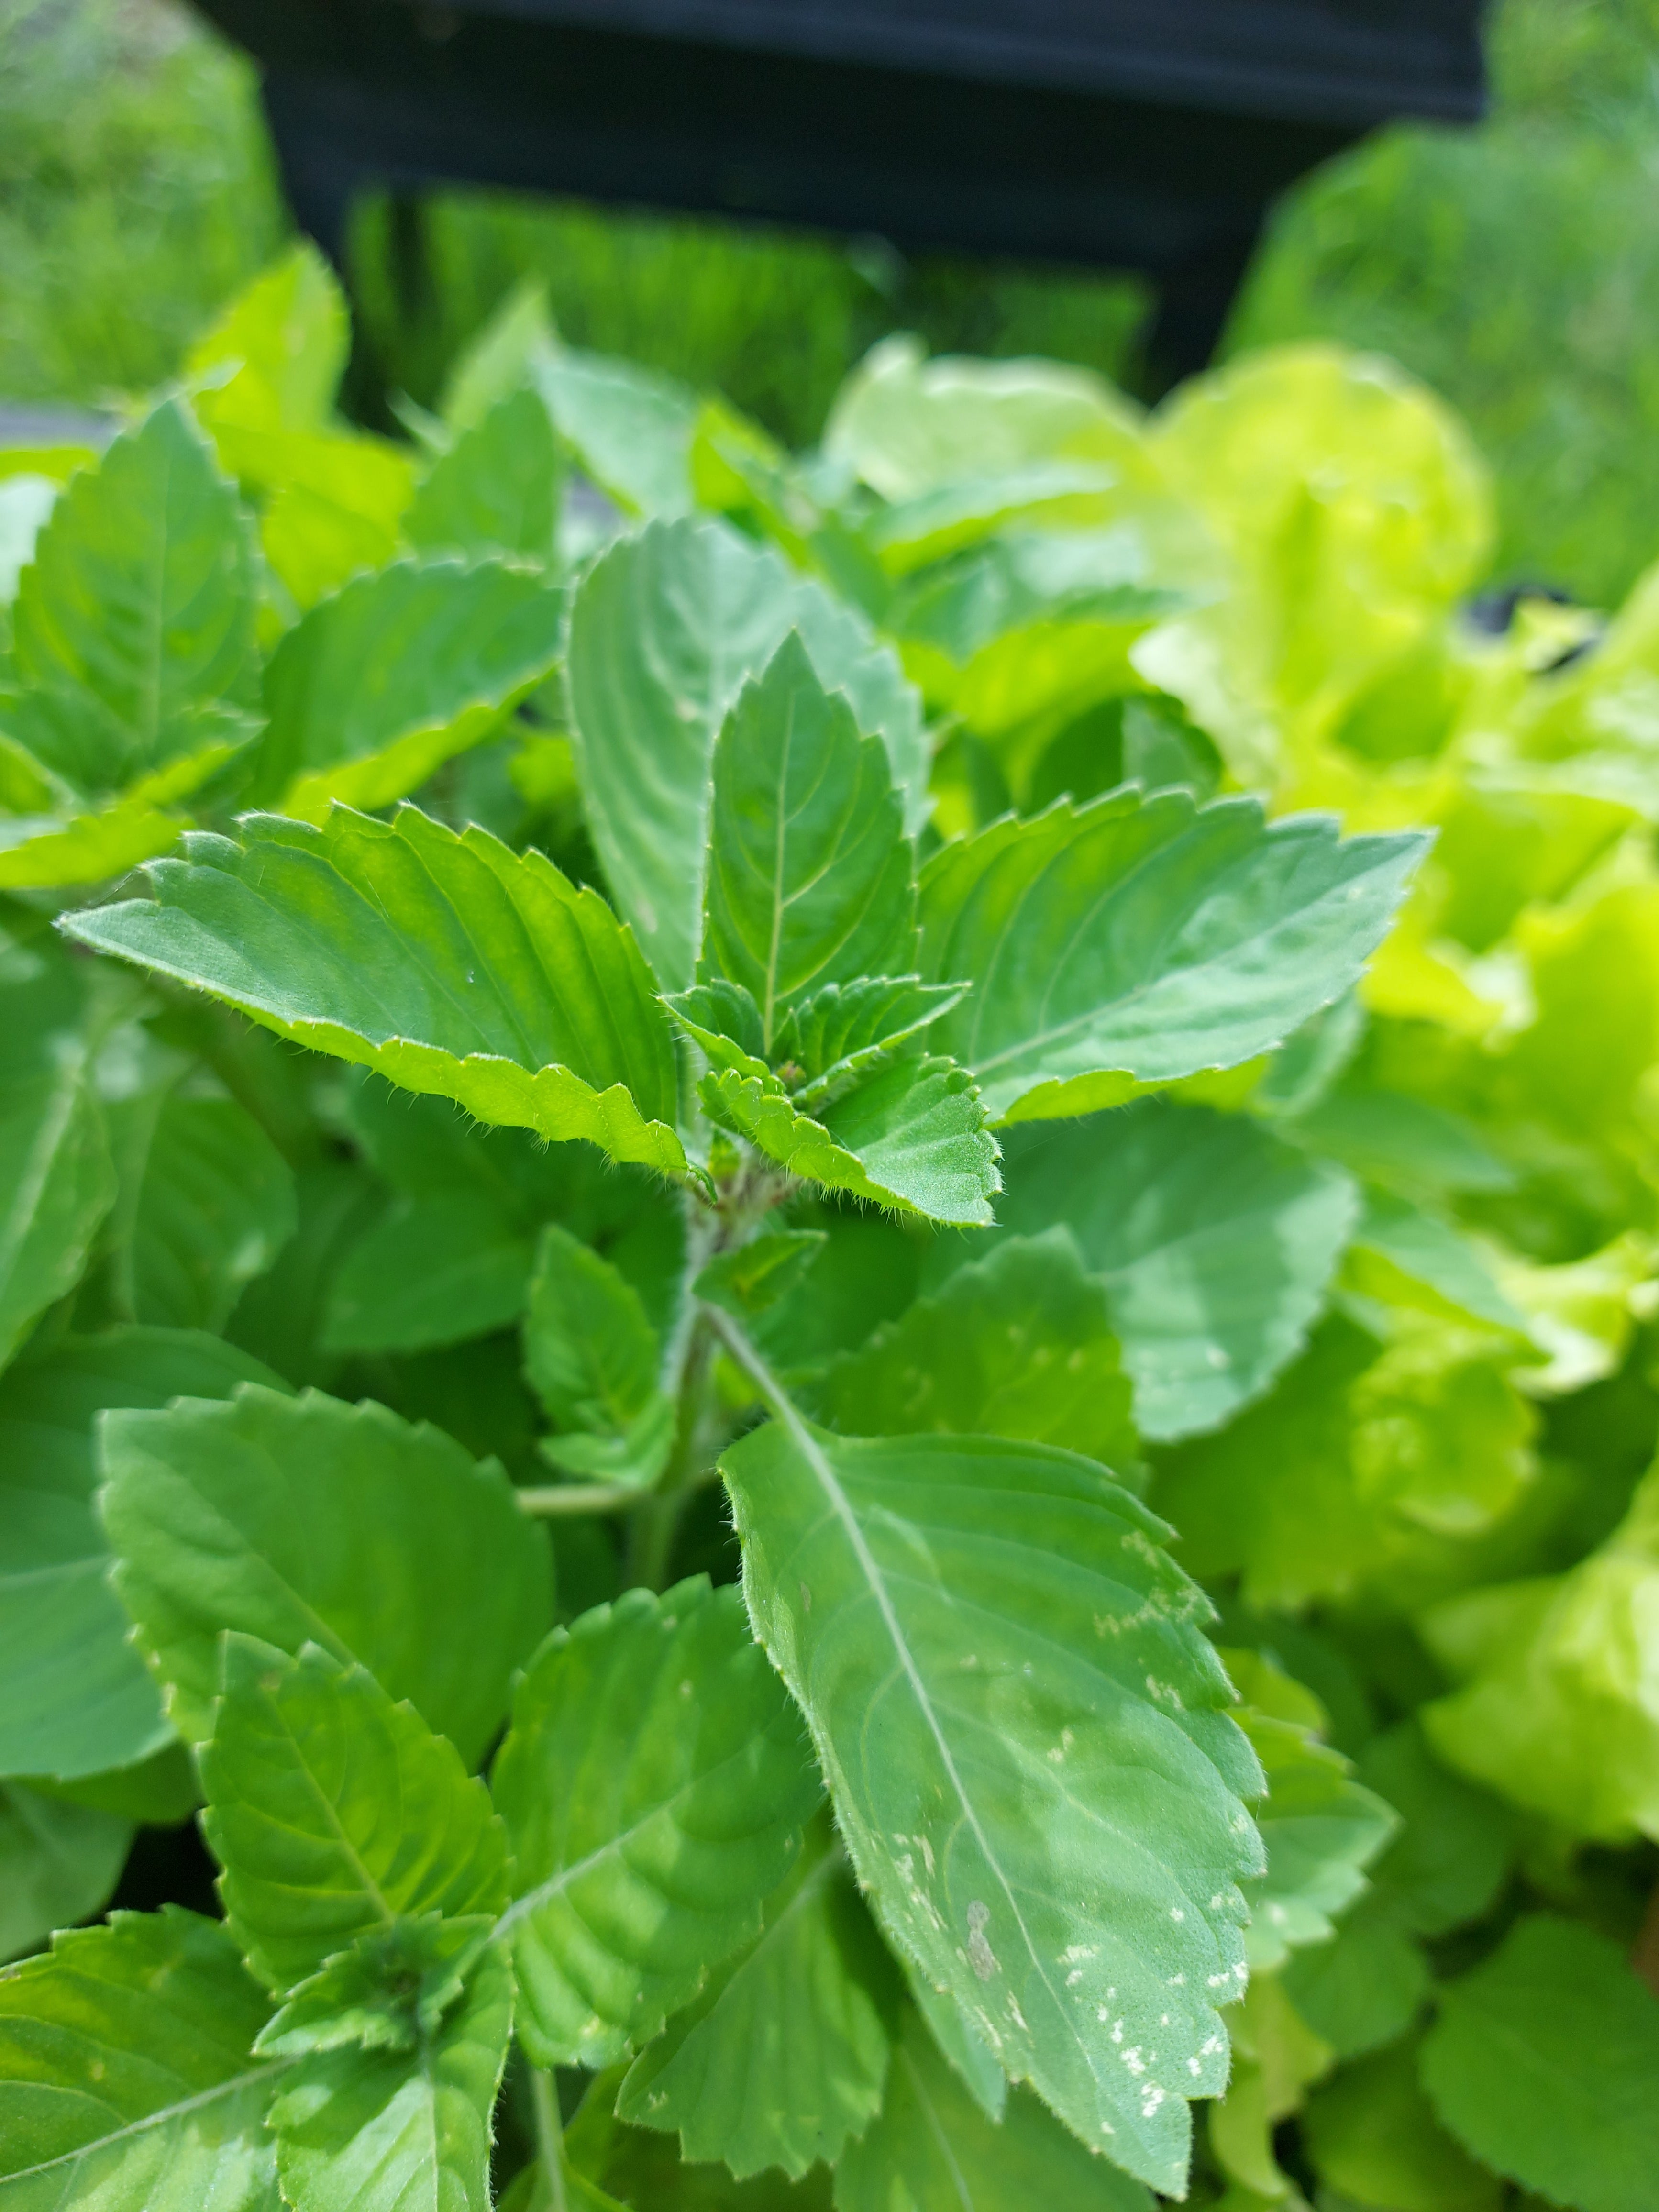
pixel 1018 1345
pixel 933 2150
pixel 135 619
pixel 593 1360
pixel 58 1863
pixel 496 489
pixel 781 2059
pixel 1542 2063
pixel 302 1520
pixel 654 1785
pixel 1215 1243
pixel 1145 938
pixel 912 1136
pixel 206 1203
pixel 665 628
pixel 336 1812
pixel 812 879
pixel 628 428
pixel 377 686
pixel 1021 1728
pixel 395 2131
pixel 125 2077
pixel 447 964
pixel 75 1699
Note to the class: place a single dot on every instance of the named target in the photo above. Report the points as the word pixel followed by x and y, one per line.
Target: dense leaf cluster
pixel 731 1087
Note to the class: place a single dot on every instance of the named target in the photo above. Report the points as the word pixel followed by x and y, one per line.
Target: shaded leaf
pixel 299 1520
pixel 335 1813
pixel 446 964
pixel 1372 2135
pixel 653 1784
pixel 434 1270
pixel 58 1863
pixel 663 630
pixel 57 1179
pixel 1042 1806
pixel 496 489
pixel 593 1360
pixel 1364 1988
pixel 753 1276
pixel 1147 937
pixel 125 2077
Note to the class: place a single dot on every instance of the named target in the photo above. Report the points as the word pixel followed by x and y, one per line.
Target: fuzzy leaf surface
pixel 654 1785
pixel 780 2061
pixel 1542 2063
pixel 842 1030
pixel 446 964
pixel 1145 937
pixel 1214 1242
pixel 811 876
pixel 933 2150
pixel 1023 1730
pixel 1018 1344
pixel 75 1699
pixel 299 1520
pixel 334 1811
pixel 126 2081
pixel 663 630
pixel 376 687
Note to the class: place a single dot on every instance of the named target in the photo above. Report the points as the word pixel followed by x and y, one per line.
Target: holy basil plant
pixel 668 1109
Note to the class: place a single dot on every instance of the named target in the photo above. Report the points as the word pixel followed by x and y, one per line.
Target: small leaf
pixel 592 1358
pixel 75 1700
pixel 49 852
pixel 628 428
pixel 400 2131
pixel 1455 1842
pixel 664 629
pixel 1542 2064
pixel 1025 1741
pixel 653 1784
pixel 495 489
pixel 1215 1244
pixel 377 687
pixel 299 1520
pixel 1372 2135
pixel 933 2150
pixel 1146 937
pixel 136 614
pixel 125 2077
pixel 279 350
pixel 58 1863
pixel 911 1135
pixel 844 1029
pixel 812 879
pixel 335 1813
pixel 447 964
pixel 753 1276
pixel 386 1991
pixel 1018 1345
pixel 781 2060
pixel 1363 1990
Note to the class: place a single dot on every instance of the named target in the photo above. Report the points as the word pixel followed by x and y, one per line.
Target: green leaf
pixel 933 2150
pixel 300 1520
pixel 1542 2064
pixel 126 2078
pixel 75 1700
pixel 1022 1729
pixel 500 357
pixel 653 1784
pixel 812 879
pixel 446 964
pixel 1214 1243
pixel 912 1135
pixel 58 1863
pixel 1449 1859
pixel 663 630
pixel 496 489
pixel 434 1271
pixel 1405 1255
pixel 387 1991
pixel 400 2131
pixel 781 2060
pixel 1372 2138
pixel 313 544
pixel 593 1360
pixel 629 428
pixel 336 1812
pixel 207 1202
pixel 1409 1145
pixel 57 1179
pixel 844 1029
pixel 377 687
pixel 279 348
pixel 751 1277
pixel 136 617
pixel 1147 937
pixel 1363 1990
pixel 47 852
pixel 972 2056
pixel 1019 1346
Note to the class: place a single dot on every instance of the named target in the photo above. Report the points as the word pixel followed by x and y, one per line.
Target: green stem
pixel 559 1498
pixel 549 2136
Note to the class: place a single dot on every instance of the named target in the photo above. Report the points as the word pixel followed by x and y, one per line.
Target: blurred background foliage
pixel 1515 266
